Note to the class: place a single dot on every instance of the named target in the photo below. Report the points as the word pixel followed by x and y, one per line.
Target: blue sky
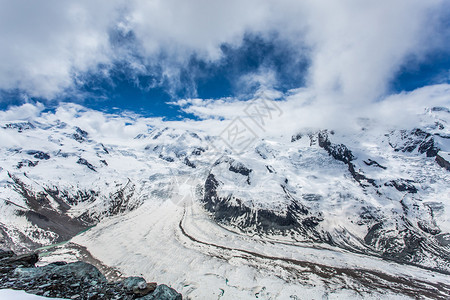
pixel 198 78
pixel 139 55
pixel 434 69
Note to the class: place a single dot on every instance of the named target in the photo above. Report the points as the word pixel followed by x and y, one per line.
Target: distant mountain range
pixel 382 195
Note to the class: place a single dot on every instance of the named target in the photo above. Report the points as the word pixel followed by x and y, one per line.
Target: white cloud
pixel 45 43
pixel 24 112
pixel 304 109
pixel 359 45
pixel 355 46
pixel 195 26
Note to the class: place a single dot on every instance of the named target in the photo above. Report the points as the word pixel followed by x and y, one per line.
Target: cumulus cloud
pixel 360 45
pixel 44 44
pixel 354 47
pixel 199 26
pixel 24 112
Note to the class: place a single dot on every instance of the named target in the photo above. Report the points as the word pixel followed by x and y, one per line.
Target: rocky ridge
pixel 77 280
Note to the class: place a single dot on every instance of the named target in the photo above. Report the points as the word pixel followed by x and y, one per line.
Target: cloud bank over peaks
pixel 305 109
pixel 296 111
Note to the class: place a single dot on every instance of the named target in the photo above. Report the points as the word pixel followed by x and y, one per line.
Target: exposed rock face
pixel 371 162
pixel 187 162
pixel 295 217
pixel 19 126
pixel 339 152
pixel 342 153
pixel 38 154
pixel 443 159
pixel 4 253
pixel 48 208
pixel 403 185
pixel 409 245
pixel 231 189
pixel 9 261
pixel 27 163
pixel 78 280
pixel 163 292
pixel 80 135
pixel 83 161
pixel 296 137
pixel 416 139
pixel 41 213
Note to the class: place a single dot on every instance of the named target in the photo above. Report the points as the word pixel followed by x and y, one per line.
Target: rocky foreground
pixel 78 280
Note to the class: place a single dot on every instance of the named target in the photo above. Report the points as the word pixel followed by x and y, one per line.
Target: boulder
pixel 138 286
pixel 4 253
pixel 25 260
pixel 77 270
pixel 163 292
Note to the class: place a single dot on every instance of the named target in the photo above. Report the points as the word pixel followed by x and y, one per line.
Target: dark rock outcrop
pixel 415 139
pixel 38 154
pixel 166 158
pixel 159 133
pixel 198 151
pixel 120 201
pixel 403 185
pixel 240 169
pixel 371 162
pixel 296 137
pixel 78 280
pixel 163 292
pixel 27 163
pixel 341 153
pixel 440 108
pixel 10 261
pixel 82 161
pixel 5 253
pixel 40 212
pixel 361 178
pixel 443 159
pixel 235 167
pixel 19 126
pixel 408 246
pixel 80 135
pixel 234 212
pixel 428 228
pixel 188 163
pixel 104 149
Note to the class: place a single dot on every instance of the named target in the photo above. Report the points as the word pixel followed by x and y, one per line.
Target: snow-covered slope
pixel 56 180
pixel 367 200
pixel 364 195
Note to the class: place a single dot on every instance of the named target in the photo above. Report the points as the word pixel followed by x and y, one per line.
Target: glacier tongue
pixel 319 211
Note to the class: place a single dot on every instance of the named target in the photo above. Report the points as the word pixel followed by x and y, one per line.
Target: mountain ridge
pixel 380 194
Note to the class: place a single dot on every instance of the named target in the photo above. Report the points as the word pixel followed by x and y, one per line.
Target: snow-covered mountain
pixel 318 210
